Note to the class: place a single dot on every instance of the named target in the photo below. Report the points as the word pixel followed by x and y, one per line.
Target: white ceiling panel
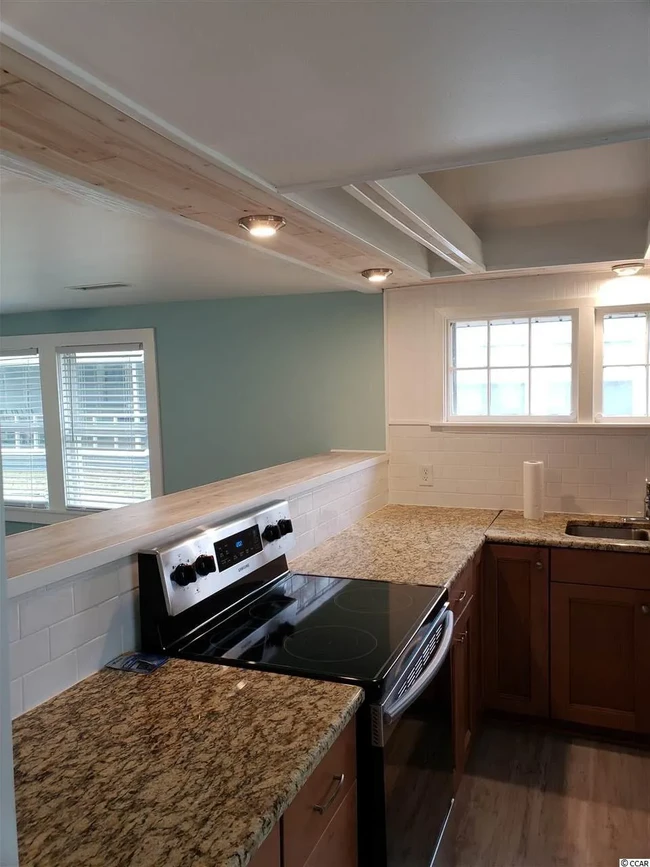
pixel 327 91
pixel 52 239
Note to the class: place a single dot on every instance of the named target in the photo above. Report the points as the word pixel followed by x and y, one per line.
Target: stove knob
pixel 204 564
pixel 285 526
pixel 183 575
pixel 271 533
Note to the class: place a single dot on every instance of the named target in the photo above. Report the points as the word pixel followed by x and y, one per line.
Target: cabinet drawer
pixel 462 589
pixel 303 824
pixel 602 568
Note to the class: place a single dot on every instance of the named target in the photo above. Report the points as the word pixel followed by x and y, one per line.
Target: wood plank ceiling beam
pixel 50 121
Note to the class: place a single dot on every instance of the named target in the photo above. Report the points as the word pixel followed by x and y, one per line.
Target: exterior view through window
pixel 24 470
pixel 625 364
pixel 104 428
pixel 512 368
pixel 77 434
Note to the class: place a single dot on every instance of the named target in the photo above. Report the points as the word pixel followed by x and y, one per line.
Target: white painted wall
pixel 592 470
pixel 65 632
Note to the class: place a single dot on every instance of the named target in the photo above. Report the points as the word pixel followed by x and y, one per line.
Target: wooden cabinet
pixel 515 629
pixel 320 826
pixel 270 852
pixel 464 673
pixel 600 639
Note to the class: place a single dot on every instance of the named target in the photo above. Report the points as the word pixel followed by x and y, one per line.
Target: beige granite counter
pixel 188 767
pixel 513 528
pixel 404 544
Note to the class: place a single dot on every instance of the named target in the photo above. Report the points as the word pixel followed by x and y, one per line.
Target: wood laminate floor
pixel 538 799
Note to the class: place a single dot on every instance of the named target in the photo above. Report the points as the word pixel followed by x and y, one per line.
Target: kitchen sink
pixel 632 534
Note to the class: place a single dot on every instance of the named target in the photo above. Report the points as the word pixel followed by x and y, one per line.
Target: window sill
pixel 532 426
pixel 24 515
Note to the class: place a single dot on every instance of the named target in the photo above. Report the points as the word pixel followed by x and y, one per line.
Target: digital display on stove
pixel 238 547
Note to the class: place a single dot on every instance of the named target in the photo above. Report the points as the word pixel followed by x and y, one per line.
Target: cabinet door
pixel 269 853
pixel 515 629
pixel 338 845
pixel 600 656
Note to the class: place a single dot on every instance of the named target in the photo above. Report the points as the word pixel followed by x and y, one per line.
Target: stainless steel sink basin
pixel 631 534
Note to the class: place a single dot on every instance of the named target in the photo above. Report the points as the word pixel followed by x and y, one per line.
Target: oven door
pixel 414 734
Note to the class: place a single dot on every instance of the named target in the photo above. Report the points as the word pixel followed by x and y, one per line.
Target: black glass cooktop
pixel 338 628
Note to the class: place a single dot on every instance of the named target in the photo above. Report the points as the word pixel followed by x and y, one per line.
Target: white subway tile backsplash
pixel 93 655
pixel 50 679
pixel 28 653
pixel 597 473
pixel 96 588
pixel 13 621
pixel 69 632
pixel 44 609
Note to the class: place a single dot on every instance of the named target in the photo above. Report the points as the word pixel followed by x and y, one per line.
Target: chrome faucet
pixel 646 506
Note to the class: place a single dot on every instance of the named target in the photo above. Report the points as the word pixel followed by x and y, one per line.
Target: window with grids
pixel 104 430
pixel 626 359
pixel 24 468
pixel 511 368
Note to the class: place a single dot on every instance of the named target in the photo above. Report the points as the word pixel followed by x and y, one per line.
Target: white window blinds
pixel 23 436
pixel 104 426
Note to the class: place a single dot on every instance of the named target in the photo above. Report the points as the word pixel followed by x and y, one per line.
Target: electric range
pixel 225 595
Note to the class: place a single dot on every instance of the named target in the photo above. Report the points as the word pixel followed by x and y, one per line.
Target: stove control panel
pixel 193 568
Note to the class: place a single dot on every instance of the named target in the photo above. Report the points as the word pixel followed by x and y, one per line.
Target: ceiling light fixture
pixel 627 269
pixel 377 275
pixel 262 225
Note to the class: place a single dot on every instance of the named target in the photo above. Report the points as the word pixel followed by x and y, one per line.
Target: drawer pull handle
pixel 460 639
pixel 463 594
pixel 339 779
pixel 645 609
pixel 539 565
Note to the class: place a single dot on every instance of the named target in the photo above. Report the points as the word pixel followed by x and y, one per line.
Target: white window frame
pixel 524 420
pixel 48 345
pixel 599 418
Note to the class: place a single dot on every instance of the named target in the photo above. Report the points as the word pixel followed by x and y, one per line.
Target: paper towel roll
pixel 533 490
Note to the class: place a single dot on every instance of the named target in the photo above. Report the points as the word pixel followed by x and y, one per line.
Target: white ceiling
pixel 52 239
pixel 322 91
pixel 610 182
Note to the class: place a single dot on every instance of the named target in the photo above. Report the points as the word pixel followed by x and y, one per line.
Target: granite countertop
pixel 404 544
pixel 191 765
pixel 513 528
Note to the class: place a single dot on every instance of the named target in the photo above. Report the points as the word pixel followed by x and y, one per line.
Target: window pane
pixel 624 339
pixel 624 391
pixel 23 435
pixel 470 392
pixel 508 343
pixel 470 344
pixel 509 392
pixel 550 391
pixel 550 342
pixel 104 428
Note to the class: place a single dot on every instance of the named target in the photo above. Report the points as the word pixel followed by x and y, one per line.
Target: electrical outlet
pixel 425 474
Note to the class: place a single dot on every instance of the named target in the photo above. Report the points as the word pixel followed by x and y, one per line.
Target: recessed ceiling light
pixel 627 269
pixel 262 225
pixel 377 275
pixel 92 286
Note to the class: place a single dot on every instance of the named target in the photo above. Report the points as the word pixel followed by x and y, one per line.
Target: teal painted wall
pixel 19 527
pixel 248 383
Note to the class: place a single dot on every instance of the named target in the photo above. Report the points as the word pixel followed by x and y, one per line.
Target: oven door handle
pixel 392 711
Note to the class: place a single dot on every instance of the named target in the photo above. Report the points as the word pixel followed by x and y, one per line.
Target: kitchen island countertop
pixel 190 766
